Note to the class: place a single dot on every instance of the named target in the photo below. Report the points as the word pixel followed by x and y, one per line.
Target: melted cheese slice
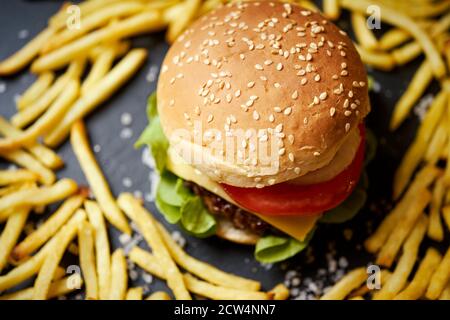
pixel 297 227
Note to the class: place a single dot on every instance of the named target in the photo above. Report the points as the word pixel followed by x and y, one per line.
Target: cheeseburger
pixel 257 127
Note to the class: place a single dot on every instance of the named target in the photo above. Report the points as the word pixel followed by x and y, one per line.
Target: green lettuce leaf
pixel 171 213
pixel 178 205
pixel 152 107
pixel 153 135
pixel 271 249
pixel 167 190
pixel 196 219
pixel 348 209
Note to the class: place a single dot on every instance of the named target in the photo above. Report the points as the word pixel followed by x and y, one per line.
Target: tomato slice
pixel 297 200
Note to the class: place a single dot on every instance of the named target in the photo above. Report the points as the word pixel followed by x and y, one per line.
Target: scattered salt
pixel 126 119
pixel 126 133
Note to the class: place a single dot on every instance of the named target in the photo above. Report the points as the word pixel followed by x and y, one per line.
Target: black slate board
pixel 120 160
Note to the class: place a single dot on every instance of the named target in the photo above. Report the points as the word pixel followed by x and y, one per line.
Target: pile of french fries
pixel 422 181
pixel 104 273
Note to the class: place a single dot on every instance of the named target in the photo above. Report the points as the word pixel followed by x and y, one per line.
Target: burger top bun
pixel 282 82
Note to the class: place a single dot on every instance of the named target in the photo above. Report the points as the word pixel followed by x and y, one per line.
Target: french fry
pixel 59 274
pixel 365 289
pixel 104 89
pixel 102 64
pixel 11 233
pixel 416 151
pixel 146 261
pixel 120 49
pixel 49 228
pixel 418 10
pixel 423 179
pixel 24 56
pixel 419 284
pixel 393 38
pixel 32 266
pixel 134 293
pixel 87 259
pixel 57 288
pixel 43 154
pixel 363 34
pixel 406 262
pixel 188 10
pixel 211 291
pixel 280 292
pixel 402 21
pixel 159 295
pixel 346 285
pixel 143 22
pixel 52 259
pixel 151 264
pixel 378 60
pixel 94 176
pixel 204 270
pixel 437 143
pixel 446 216
pixel 416 88
pixel 48 120
pixel 97 19
pixel 8 177
pixel 399 234
pixel 119 277
pixel 445 295
pixel 59 20
pixel 102 250
pixel 435 229
pixel 412 50
pixel 30 114
pixel 440 278
pixel 36 90
pixel 151 234
pixel 39 196
pixel 24 159
pixel 331 9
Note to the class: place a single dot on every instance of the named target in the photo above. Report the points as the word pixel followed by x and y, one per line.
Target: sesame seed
pixel 297 170
pixel 210 118
pixel 255 115
pixel 280 66
pixel 282 151
pixel 303 81
pixel 279 128
pixel 271 181
pixel 271 118
pixel 316 153
pixel 347 113
pixel 347 127
pixel 237 93
pixel 295 95
pixel 332 111
pixel 288 111
pixel 291 139
pixel 277 109
pixel 259 67
pixel 251 84
pixel 291 157
pixel 317 78
pixel 323 96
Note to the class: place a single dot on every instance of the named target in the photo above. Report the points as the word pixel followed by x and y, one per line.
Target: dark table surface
pixel 331 251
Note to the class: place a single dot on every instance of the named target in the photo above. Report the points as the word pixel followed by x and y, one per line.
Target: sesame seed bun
pixel 286 75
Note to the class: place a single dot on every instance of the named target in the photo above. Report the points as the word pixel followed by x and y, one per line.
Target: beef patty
pixel 240 218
